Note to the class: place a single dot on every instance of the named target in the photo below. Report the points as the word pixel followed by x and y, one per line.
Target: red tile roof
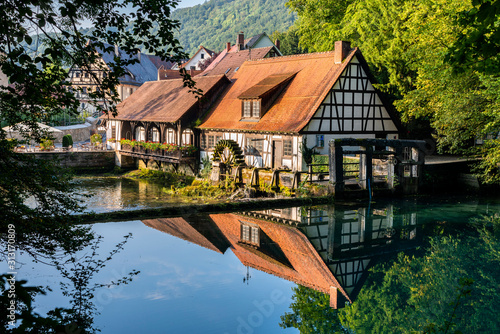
pixel 164 101
pixel 164 74
pixel 227 62
pixel 293 109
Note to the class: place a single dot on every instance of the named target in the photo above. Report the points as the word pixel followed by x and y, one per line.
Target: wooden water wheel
pixel 228 152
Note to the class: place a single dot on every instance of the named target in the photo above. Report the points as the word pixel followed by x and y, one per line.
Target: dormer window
pixel 250 233
pixel 258 99
pixel 251 109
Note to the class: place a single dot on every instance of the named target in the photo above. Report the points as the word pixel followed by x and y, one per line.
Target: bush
pixel 67 140
pixel 46 144
pixel 96 139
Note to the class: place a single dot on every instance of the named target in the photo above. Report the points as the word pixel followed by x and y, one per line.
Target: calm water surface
pixel 111 194
pixel 234 273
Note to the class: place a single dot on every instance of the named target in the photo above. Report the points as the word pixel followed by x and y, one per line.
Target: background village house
pixel 83 81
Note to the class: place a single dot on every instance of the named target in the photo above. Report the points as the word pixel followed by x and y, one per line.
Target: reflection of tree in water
pixel 311 313
pixel 79 272
pixel 451 288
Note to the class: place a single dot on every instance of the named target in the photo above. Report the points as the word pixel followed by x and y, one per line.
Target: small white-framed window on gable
pixel 202 56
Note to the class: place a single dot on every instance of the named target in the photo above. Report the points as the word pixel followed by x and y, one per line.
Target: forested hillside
pixel 216 22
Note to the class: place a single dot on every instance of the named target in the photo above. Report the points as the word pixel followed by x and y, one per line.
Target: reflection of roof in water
pixel 201 232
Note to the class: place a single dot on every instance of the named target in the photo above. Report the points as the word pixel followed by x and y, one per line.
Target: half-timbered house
pixel 87 81
pixel 274 106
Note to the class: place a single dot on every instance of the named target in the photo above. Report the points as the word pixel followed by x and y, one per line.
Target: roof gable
pixel 294 107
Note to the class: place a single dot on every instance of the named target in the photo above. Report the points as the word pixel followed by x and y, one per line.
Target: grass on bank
pixel 190 187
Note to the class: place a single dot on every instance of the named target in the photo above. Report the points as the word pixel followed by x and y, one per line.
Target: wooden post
pixel 238 175
pixel 310 172
pixel 336 163
pixel 275 180
pixel 390 169
pixel 362 168
pixel 369 167
pixel 254 180
pixel 296 180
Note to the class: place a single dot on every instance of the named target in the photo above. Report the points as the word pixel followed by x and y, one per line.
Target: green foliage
pixel 307 153
pixel 451 288
pixel 206 167
pixel 67 140
pixel 46 144
pixel 436 59
pixel 289 42
pixel 77 272
pixel 216 22
pixel 203 190
pixel 164 178
pixel 478 44
pixel 311 313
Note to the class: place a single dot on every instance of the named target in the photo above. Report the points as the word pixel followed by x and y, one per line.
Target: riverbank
pixel 183 209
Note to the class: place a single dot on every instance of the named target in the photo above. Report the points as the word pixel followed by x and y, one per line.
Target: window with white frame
pixel 287 148
pixel 256 109
pixel 140 133
pixel 187 137
pixel 170 136
pixel 247 109
pixel 155 135
pixel 250 233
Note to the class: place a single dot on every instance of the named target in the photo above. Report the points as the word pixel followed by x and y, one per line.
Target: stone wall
pixel 81 159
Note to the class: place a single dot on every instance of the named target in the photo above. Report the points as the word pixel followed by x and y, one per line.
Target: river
pixel 320 268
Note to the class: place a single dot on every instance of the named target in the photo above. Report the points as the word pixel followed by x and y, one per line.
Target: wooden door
pixel 277 154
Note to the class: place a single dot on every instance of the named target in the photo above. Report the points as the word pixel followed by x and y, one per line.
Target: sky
pixel 190 3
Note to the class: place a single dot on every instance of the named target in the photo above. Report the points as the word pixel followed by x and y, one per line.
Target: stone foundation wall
pixel 81 159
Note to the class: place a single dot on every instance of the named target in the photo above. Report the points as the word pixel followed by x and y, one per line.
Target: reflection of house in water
pixel 328 251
